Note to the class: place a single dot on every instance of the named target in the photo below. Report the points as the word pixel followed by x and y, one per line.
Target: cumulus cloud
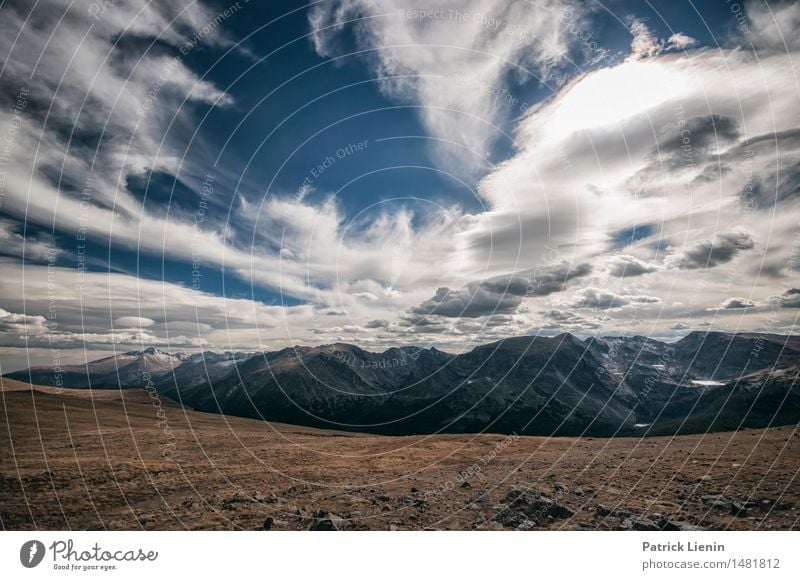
pixel 599 299
pixel 558 319
pixel 130 306
pixel 625 266
pixel 21 325
pixel 736 304
pixel 789 299
pixel 470 302
pixel 644 43
pixel 680 41
pixel 708 253
pixel 604 151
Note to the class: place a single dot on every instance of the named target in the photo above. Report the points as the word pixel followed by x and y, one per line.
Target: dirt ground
pixel 127 460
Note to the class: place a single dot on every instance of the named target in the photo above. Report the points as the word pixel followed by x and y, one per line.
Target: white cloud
pixel 605 153
pixel 772 26
pixel 601 299
pixel 644 43
pixel 625 266
pixel 134 322
pixel 680 41
pixel 455 60
pixel 736 304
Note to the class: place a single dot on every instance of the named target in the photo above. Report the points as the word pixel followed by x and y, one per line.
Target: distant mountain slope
pixel 534 385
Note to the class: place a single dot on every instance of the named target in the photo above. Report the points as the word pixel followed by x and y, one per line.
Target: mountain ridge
pixel 558 385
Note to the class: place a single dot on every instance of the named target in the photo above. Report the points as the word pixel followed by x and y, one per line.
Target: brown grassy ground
pixel 109 459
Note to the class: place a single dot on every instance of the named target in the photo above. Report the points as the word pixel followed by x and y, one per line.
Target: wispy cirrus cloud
pixel 452 59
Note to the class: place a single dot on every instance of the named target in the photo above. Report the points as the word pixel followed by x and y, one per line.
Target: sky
pixel 240 176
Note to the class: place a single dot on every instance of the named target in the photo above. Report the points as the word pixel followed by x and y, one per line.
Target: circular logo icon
pixel 31 553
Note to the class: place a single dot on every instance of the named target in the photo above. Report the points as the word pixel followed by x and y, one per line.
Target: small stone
pixel 268 524
pixel 716 501
pixel 323 525
pixel 325 522
pixel 265 497
pixel 738 510
pixel 604 511
pixel 642 524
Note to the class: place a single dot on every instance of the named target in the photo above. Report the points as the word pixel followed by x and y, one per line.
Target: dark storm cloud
pixel 501 295
pixel 703 133
pixel 771 189
pixel 709 253
pixel 539 282
pixel 471 301
pixel 692 145
pixel 789 299
pixel 766 143
pixel 695 144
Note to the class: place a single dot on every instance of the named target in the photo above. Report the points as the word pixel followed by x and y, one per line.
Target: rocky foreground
pixel 128 459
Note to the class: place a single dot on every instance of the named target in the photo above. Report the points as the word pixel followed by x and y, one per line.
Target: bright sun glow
pixel 605 97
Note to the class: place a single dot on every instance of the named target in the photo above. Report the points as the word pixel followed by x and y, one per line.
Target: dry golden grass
pixel 110 459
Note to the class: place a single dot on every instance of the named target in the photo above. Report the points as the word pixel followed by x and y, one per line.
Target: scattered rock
pixel 323 525
pixel 482 497
pixel 491 526
pixel 604 511
pixel 414 490
pixel 421 505
pixel 642 524
pixel 738 510
pixel 465 485
pixel 509 518
pixel 560 487
pixel 716 501
pixel 268 524
pixel 535 505
pixel 230 502
pixel 324 522
pixel 678 526
pixel 265 497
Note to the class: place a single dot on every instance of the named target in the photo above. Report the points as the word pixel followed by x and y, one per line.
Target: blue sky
pixel 248 176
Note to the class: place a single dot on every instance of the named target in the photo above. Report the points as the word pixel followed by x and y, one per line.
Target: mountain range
pixel 561 385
